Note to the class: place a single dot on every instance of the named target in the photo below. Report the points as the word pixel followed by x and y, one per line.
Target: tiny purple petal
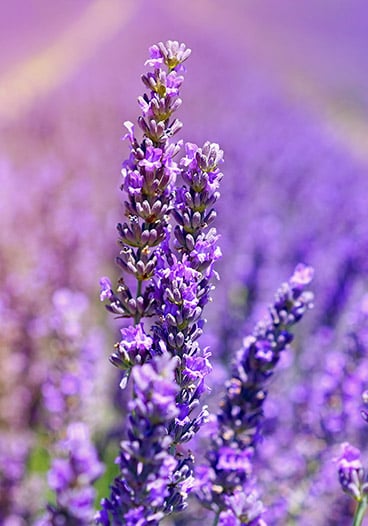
pixel 106 289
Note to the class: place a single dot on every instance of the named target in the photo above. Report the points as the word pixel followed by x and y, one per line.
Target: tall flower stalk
pixel 149 176
pixel 227 485
pixel 168 247
pixel 183 282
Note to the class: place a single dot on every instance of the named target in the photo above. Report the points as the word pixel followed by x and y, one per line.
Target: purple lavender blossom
pixel 260 354
pixel 320 401
pixel 147 487
pixel 149 177
pixel 183 282
pixel 239 422
pixel 352 476
pixel 172 284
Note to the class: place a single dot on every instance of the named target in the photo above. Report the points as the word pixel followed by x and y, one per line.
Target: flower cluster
pixel 239 422
pixel 147 487
pixel 183 283
pixel 149 177
pixel 352 476
pixel 172 266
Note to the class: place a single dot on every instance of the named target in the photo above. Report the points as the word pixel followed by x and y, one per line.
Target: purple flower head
pixel 134 339
pixel 171 53
pixel 303 275
pixel 163 83
pixel 230 459
pixel 152 160
pixel 173 83
pixel 206 252
pixel 133 348
pixel 178 286
pixel 200 167
pixel 189 161
pixel 352 476
pixel 133 181
pixel 106 289
pixel 158 382
pixel 196 366
pixel 244 508
pixel 209 157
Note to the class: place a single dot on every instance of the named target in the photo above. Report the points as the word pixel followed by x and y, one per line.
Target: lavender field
pixel 184 263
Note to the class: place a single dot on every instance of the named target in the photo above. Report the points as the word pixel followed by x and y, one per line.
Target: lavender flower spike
pixel 183 282
pixel 241 414
pixel 142 493
pixel 239 420
pixel 173 282
pixel 149 177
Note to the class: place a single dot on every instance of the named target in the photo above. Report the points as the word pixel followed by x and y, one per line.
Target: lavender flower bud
pixel 352 476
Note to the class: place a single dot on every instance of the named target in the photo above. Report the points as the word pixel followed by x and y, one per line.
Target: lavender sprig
pixel 147 487
pixel 173 283
pixel 353 479
pixel 183 283
pixel 149 177
pixel 239 421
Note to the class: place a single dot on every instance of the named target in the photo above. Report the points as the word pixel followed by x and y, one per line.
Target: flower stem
pixel 137 317
pixel 216 519
pixel 360 511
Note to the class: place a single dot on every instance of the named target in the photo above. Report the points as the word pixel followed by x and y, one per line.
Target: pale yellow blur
pixel 45 70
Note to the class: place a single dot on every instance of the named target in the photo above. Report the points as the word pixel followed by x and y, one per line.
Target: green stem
pixel 137 317
pixel 360 511
pixel 217 518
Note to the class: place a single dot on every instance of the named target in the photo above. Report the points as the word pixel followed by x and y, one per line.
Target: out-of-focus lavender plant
pixel 66 391
pixel 320 407
pixel 226 483
pixel 172 283
pixel 45 262
pixel 74 469
pixel 21 377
